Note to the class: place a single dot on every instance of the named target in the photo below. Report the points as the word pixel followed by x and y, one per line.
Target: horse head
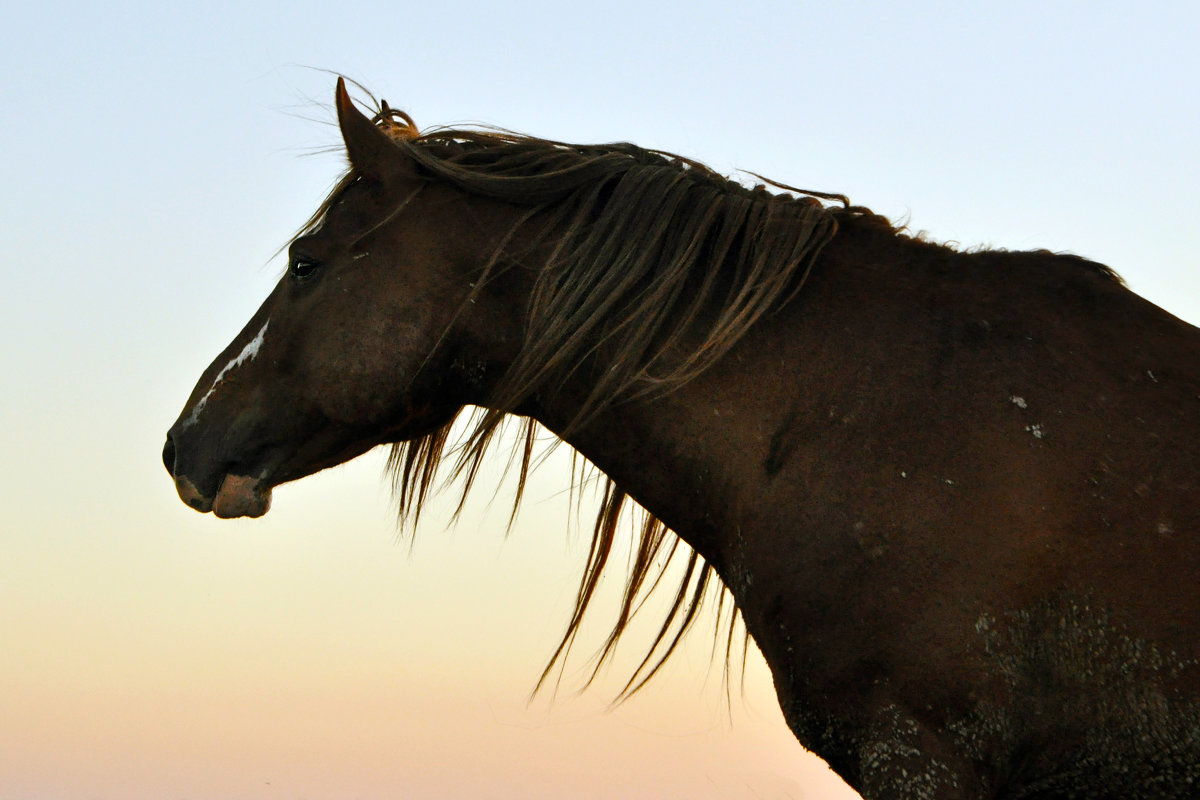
pixel 375 334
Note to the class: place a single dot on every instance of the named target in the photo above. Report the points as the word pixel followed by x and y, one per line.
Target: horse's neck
pixel 693 458
pixel 719 457
pixel 701 457
pixel 661 465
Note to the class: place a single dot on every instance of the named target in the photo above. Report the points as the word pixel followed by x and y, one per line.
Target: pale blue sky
pixel 155 157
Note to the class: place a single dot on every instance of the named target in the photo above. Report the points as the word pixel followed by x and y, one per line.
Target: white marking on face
pixel 1018 401
pixel 248 354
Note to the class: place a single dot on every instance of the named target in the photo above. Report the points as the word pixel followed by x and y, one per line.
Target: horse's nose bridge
pixel 227 373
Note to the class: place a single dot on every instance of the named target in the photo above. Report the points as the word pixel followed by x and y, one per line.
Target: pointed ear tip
pixel 343 101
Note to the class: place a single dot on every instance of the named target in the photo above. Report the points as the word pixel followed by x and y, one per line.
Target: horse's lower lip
pixel 242 496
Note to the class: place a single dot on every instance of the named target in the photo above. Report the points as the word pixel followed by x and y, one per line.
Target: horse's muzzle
pixel 236 495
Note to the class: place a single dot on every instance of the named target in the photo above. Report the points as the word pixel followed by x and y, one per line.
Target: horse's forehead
pixel 358 209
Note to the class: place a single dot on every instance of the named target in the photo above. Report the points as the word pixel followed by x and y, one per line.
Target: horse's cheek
pixel 355 372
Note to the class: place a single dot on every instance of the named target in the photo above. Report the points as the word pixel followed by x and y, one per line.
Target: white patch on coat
pixel 249 352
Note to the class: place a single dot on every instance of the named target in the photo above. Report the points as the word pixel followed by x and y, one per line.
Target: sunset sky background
pixel 155 158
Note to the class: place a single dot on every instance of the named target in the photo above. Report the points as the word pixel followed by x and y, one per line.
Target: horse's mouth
pixel 237 496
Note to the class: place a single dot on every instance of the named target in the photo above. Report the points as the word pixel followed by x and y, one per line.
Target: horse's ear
pixel 371 151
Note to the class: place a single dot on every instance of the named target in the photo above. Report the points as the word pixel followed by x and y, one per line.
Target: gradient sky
pixel 155 157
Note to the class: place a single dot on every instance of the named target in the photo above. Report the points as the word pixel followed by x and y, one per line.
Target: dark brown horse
pixel 955 496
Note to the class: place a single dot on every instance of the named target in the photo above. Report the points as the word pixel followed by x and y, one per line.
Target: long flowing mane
pixel 649 264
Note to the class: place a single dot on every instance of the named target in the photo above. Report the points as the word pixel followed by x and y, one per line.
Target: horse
pixel 954 496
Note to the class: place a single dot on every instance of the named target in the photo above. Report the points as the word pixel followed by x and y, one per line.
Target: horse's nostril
pixel 169 456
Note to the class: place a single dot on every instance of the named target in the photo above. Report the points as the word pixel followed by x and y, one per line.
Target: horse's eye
pixel 302 269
